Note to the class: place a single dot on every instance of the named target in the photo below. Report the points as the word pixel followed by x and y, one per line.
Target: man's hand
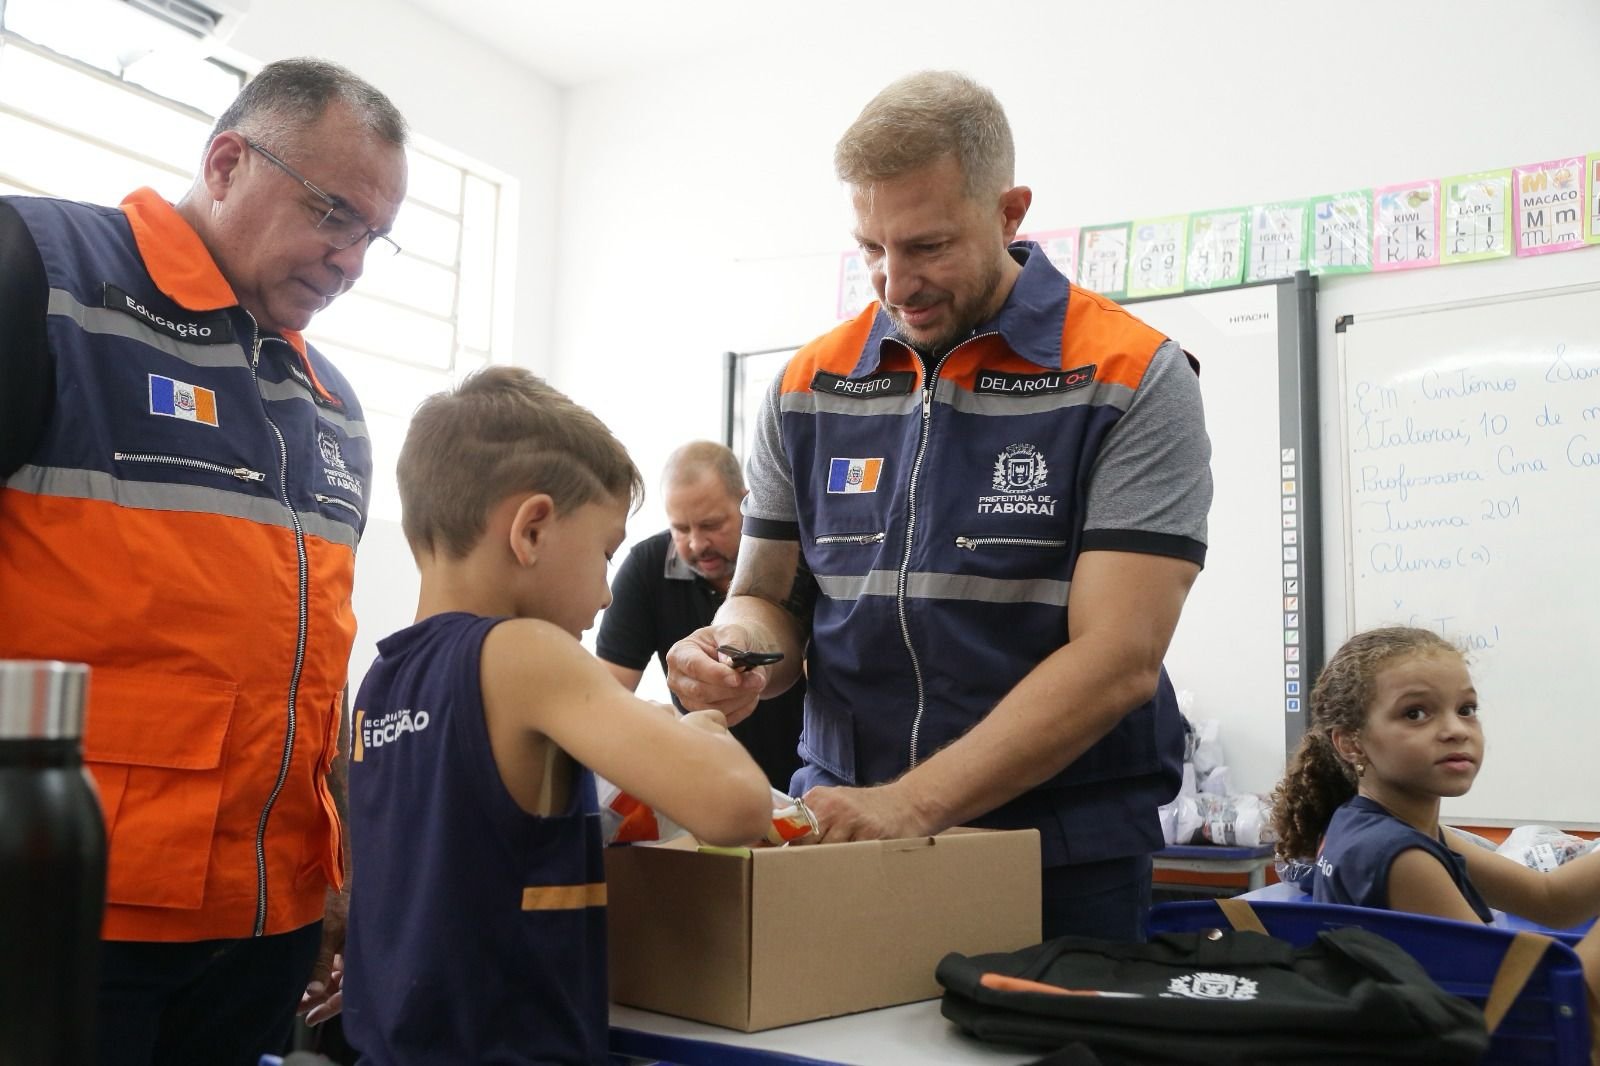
pixel 324 995
pixel 881 813
pixel 704 681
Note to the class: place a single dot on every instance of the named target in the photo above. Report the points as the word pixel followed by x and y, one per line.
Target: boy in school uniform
pixel 477 929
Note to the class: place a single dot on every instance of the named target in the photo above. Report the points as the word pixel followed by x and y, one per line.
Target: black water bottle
pixel 52 868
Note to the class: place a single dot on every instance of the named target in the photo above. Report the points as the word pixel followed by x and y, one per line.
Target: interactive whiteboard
pixel 1250 638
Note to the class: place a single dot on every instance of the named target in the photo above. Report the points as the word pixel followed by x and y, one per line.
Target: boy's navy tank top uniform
pixel 477 931
pixel 1362 842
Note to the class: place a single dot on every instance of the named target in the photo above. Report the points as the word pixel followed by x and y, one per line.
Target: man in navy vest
pixel 1000 482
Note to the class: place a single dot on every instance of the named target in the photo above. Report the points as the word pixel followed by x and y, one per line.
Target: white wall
pixel 461 94
pixel 699 213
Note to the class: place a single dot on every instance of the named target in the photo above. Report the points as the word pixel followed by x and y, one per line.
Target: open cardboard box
pixel 752 938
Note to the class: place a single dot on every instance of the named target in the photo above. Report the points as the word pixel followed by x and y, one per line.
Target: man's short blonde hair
pixel 923 118
pixel 500 432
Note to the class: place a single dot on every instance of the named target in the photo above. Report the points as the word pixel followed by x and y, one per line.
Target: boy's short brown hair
pixel 502 431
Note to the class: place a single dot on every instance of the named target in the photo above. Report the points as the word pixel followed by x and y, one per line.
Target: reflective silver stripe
pixel 828 403
pixel 1100 394
pixel 116 324
pixel 158 496
pixel 929 586
pixel 293 390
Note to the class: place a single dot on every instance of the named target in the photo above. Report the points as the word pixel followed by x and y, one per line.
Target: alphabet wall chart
pixel 1534 209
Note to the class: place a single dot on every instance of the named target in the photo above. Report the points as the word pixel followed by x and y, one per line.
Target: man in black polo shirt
pixel 672 583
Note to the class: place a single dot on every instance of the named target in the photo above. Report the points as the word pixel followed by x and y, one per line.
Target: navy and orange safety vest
pixel 942 511
pixel 187 527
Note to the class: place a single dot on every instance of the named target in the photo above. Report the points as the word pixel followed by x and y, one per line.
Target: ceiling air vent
pixel 212 21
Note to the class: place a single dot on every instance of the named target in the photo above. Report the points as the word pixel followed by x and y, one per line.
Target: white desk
pixel 912 1034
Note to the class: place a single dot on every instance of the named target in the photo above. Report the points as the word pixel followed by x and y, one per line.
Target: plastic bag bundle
pixel 1244 819
pixel 1180 820
pixel 1543 847
pixel 1295 871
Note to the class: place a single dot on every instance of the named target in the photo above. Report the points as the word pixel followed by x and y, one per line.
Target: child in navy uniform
pixel 1394 728
pixel 477 924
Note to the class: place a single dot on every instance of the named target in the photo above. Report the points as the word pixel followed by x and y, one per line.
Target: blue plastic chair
pixel 1547 1023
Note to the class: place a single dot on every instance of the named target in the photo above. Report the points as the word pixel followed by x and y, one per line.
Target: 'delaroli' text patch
pixel 1002 384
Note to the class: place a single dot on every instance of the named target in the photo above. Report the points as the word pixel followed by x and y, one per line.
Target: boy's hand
pixel 701 679
pixel 708 721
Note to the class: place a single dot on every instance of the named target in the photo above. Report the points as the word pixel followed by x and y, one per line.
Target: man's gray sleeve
pixel 1150 489
pixel 770 511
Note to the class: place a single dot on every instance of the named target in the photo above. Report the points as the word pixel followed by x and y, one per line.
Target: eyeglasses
pixel 341 225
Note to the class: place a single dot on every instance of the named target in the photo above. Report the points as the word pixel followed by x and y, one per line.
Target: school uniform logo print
pixel 376 732
pixel 1020 471
pixel 1205 985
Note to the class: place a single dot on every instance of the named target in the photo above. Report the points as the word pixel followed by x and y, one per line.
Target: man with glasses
pixel 182 484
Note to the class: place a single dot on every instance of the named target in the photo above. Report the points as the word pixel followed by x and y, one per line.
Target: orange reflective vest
pixel 187 526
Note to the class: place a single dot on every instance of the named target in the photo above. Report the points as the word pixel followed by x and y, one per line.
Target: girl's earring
pixel 1361 769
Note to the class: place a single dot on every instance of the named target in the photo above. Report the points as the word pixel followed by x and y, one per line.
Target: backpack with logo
pixel 1217 997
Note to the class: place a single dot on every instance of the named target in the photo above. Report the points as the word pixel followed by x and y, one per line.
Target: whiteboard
pixel 1471 466
pixel 1249 638
pixel 748 378
pixel 1251 632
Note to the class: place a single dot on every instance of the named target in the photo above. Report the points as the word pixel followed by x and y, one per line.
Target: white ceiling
pixel 570 42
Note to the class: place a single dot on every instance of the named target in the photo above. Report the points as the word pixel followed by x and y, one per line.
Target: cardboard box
pixel 752 938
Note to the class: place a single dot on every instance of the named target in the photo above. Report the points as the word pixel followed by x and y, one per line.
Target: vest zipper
pixel 240 472
pixel 972 544
pixel 334 501
pixel 299 646
pixel 903 578
pixel 850 538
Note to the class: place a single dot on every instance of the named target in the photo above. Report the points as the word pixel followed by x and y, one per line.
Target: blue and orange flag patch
pixel 854 475
pixel 179 399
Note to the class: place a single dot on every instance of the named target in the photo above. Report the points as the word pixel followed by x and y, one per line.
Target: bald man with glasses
pixel 183 481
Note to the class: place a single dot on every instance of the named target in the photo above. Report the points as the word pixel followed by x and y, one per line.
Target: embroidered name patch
pixel 179 399
pixel 894 383
pixel 1002 384
pixel 854 475
pixel 203 329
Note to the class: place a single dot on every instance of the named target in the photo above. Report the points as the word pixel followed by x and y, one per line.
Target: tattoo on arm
pixel 794 590
pixel 802 599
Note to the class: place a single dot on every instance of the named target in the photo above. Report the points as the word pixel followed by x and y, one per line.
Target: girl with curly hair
pixel 1394 729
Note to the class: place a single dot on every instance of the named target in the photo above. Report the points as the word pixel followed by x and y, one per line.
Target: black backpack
pixel 1218 998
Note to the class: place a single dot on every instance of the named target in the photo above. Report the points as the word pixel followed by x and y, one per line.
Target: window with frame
pixel 82 123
